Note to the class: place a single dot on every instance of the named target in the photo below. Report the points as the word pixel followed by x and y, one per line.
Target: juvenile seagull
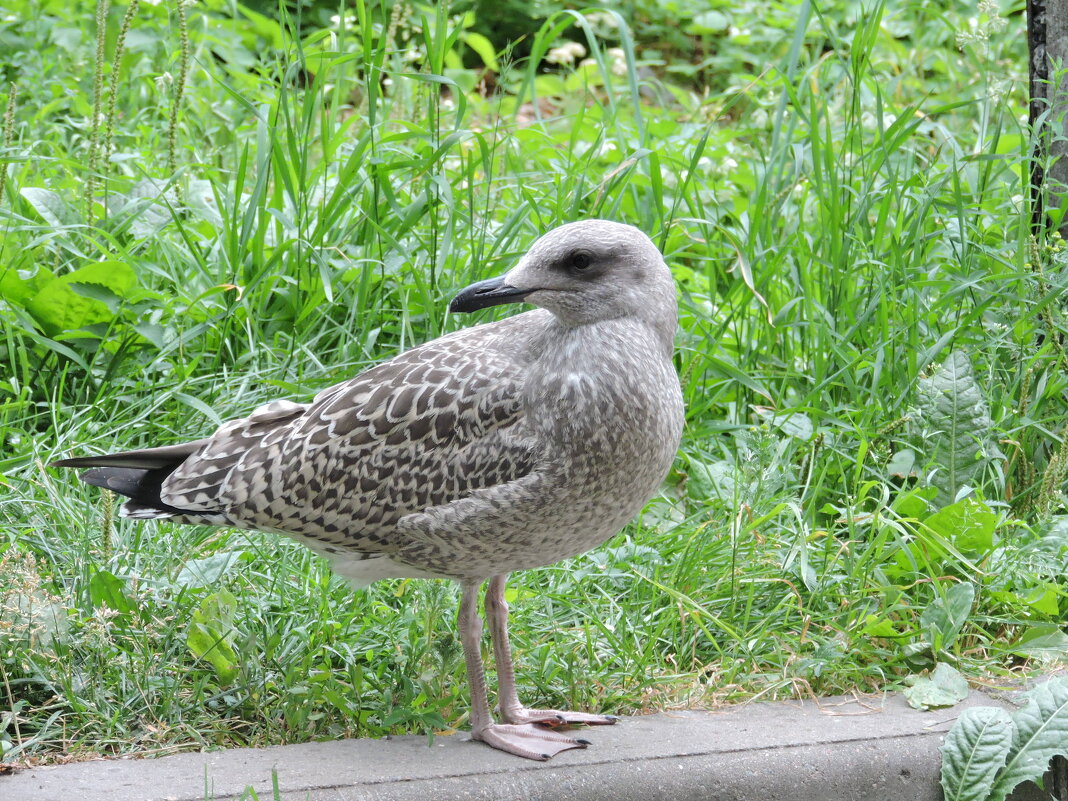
pixel 502 447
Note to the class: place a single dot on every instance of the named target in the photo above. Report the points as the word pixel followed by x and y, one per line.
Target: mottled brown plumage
pixel 501 447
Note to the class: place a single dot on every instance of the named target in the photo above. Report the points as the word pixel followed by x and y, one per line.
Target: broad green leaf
pixel 19 287
pixel 795 424
pixel 943 619
pixel 107 589
pixel 1041 733
pixel 99 292
pixel 915 502
pixel 153 332
pixel 58 307
pixel 52 208
pixel 210 634
pixel 484 47
pixel 944 687
pixel 902 463
pixel 1044 599
pixel 957 426
pixel 208 570
pixel 1042 640
pixel 200 199
pixel 969 524
pixel 264 26
pixel 142 208
pixel 718 479
pixel 974 751
pixel 875 626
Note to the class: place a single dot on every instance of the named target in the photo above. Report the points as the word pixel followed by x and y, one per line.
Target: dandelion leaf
pixel 957 426
pixel 1041 733
pixel 974 751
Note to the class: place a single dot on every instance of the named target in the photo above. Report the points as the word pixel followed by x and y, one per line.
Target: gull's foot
pixel 527 740
pixel 555 717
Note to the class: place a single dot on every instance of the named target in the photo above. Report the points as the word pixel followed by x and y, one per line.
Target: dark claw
pixel 583 741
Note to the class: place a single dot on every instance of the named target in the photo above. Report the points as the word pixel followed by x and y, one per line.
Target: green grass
pixel 842 198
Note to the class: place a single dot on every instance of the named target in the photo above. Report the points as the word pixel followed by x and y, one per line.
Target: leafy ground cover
pixel 241 203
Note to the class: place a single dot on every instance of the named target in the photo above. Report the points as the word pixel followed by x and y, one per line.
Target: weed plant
pixel 225 207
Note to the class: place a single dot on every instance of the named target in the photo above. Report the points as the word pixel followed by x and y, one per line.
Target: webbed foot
pixel 528 740
pixel 555 717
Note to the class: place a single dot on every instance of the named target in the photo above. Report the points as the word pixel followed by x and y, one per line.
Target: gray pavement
pixel 837 748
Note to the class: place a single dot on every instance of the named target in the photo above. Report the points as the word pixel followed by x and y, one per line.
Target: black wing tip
pixel 169 456
pixel 140 484
pixel 92 473
pixel 83 461
pixel 113 478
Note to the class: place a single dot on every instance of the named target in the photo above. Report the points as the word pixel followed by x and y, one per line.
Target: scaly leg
pixel 511 710
pixel 526 740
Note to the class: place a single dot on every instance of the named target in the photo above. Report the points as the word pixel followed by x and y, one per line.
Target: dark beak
pixel 491 292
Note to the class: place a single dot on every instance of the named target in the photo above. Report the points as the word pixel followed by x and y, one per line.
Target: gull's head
pixel 586 272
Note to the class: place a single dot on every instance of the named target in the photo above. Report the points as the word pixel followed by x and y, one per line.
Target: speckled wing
pixel 423 429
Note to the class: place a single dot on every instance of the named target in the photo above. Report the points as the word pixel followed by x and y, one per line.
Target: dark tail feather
pixel 138 475
pixel 148 458
pixel 143 487
pixel 123 480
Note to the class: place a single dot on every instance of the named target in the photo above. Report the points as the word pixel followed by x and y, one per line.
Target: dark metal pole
pixel 1038 74
pixel 1047 41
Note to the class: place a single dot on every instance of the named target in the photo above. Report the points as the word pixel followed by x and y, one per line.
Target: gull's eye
pixel 579 261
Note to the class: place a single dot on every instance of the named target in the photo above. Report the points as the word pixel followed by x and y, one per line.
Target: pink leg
pixel 511 710
pixel 530 741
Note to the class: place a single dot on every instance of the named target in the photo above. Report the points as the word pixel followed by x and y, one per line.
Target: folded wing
pixel 423 429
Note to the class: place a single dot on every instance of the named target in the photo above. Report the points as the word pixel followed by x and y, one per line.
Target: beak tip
pixel 482 295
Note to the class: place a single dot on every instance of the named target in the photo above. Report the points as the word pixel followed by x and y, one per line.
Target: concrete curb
pixel 837 748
